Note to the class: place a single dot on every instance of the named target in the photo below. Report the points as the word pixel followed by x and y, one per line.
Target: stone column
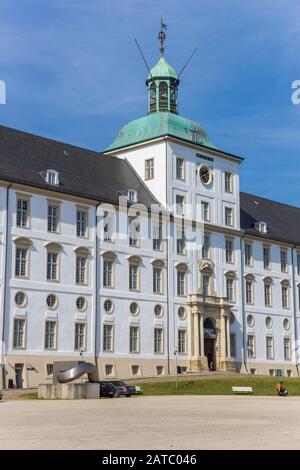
pixel 228 336
pixel 190 334
pixel 223 337
pixel 196 336
pixel 201 336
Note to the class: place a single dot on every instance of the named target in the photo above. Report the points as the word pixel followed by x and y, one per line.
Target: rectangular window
pixel 269 347
pixel 52 271
pixel 206 284
pixel 49 369
pixel 182 341
pixel 134 339
pixel 287 348
pixel 228 182
pixel 80 336
pixel 206 247
pixel 81 223
pixel 298 264
pixel 268 297
pixel 181 283
pixel 50 335
pixel 53 216
pixel 133 277
pixel 230 289
pixel 285 296
pixel 81 270
pixel 108 338
pixel 157 280
pixel 179 168
pixel 22 212
pixel 205 211
pixel 232 345
pixel 108 273
pixel 21 262
pixel 19 333
pixel 266 256
pixel 249 292
pixel 251 346
pixel 149 169
pixel 283 260
pixel 248 254
pixel 179 204
pixel 134 231
pixel 157 236
pixel 229 250
pixel 180 242
pixel 229 216
pixel 158 340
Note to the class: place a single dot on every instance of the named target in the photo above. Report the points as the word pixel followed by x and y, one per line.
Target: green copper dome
pixel 162 69
pixel 160 124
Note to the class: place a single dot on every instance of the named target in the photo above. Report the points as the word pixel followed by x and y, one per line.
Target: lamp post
pixel 176 358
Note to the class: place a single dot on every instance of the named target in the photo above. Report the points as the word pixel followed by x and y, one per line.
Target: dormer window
pixel 132 195
pixel 261 227
pixel 52 177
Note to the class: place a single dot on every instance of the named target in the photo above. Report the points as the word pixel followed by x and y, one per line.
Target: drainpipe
pixel 96 286
pixel 168 309
pixel 4 270
pixel 295 309
pixel 243 304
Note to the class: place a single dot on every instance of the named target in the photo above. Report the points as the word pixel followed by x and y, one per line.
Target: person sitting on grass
pixel 281 390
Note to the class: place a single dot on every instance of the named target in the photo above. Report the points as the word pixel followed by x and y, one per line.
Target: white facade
pixel 129 290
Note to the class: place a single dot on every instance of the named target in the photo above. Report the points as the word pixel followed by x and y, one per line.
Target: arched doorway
pixel 209 343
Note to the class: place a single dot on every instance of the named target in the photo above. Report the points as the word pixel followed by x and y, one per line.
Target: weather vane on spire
pixel 162 36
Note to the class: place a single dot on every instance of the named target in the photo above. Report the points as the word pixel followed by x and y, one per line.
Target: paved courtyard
pixel 160 422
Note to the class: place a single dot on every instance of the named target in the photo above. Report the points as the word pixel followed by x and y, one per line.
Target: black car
pixel 1 394
pixel 108 390
pixel 116 388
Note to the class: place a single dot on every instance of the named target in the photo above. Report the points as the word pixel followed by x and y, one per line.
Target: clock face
pixel 205 174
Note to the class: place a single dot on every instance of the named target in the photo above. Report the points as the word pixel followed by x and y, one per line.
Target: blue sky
pixel 73 73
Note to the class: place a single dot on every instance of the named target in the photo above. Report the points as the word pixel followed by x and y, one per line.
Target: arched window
pixel 249 287
pixel 268 291
pixel 153 98
pixel 285 293
pixel 173 98
pixel 209 328
pixel 163 96
pixel 230 277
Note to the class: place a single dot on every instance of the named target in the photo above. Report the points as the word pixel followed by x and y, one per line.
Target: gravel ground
pixel 153 422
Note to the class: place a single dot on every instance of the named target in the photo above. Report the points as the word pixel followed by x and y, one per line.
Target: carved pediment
pixel 206 265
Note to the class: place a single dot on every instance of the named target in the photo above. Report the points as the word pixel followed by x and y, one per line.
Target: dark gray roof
pixel 24 158
pixel 283 221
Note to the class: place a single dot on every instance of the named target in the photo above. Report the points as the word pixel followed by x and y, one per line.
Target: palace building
pixel 144 257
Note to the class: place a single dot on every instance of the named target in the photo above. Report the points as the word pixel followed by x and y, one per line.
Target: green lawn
pixel 220 386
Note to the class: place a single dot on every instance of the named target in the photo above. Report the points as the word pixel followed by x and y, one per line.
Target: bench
pixel 242 390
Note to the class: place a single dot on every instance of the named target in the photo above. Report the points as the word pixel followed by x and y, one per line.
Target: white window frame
pixel 134 339
pixel 158 341
pixel 16 344
pixel 50 336
pixel 79 335
pixel 108 339
pixel 149 169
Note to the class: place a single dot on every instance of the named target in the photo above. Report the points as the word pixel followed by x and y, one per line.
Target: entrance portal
pixel 19 375
pixel 209 352
pixel 209 343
